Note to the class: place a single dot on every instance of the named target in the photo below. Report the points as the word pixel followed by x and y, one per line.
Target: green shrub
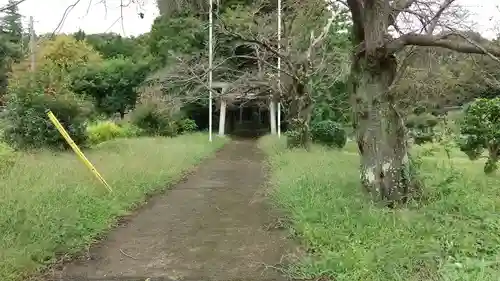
pixel 104 131
pixel 111 84
pixel 480 130
pixel 154 120
pixel 187 126
pixel 27 124
pixel 131 130
pixel 329 133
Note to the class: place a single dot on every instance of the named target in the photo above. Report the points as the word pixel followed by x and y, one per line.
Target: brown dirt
pixel 210 227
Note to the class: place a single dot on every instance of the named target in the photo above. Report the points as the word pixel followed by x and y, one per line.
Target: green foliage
pixel 66 53
pixel 154 120
pixel 187 125
pixel 27 123
pixel 480 129
pixel 8 53
pixel 329 133
pixel 11 39
pixel 11 26
pixel 112 84
pixel 102 131
pixel 111 45
pixel 170 36
pixel 331 103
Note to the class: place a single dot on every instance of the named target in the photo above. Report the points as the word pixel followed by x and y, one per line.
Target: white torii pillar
pixel 272 115
pixel 210 65
pixel 279 68
pixel 223 106
pixel 222 116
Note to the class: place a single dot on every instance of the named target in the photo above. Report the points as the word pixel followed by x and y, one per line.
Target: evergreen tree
pixel 11 40
pixel 79 35
pixel 11 26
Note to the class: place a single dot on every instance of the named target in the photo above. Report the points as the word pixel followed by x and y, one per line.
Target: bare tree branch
pixel 65 15
pixel 398 7
pixel 10 6
pixel 444 41
pixel 435 19
pixel 321 36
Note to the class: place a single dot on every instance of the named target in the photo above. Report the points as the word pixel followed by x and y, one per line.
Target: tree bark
pixel 381 135
pixel 299 117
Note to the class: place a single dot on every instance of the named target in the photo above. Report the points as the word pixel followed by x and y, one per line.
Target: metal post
pixel 32 44
pixel 210 48
pixel 272 115
pixel 279 68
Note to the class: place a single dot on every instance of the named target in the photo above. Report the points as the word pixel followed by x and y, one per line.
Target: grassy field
pixel 50 203
pixel 453 235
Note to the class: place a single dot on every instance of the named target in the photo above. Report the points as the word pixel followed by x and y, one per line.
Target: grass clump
pixel 7 158
pixel 52 204
pixel 103 131
pixel 454 235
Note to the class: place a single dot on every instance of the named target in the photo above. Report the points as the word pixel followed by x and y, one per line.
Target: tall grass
pixel 453 235
pixel 51 204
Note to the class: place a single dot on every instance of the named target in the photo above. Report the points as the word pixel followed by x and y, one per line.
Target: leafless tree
pixel 253 30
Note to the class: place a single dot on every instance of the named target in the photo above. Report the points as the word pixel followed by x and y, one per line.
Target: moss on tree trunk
pixel 381 135
pixel 299 117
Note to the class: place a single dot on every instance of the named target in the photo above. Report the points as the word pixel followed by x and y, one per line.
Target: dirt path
pixel 210 227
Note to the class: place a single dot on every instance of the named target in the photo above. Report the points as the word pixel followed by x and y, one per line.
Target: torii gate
pixel 223 86
pixel 272 109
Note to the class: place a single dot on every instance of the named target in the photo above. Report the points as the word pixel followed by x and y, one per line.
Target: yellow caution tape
pixel 76 149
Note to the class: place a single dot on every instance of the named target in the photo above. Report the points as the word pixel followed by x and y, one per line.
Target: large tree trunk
pixel 385 168
pixel 299 117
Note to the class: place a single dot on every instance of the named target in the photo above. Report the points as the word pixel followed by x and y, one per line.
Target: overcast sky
pixel 94 19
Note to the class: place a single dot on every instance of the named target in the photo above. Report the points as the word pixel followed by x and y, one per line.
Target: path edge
pixel 63 259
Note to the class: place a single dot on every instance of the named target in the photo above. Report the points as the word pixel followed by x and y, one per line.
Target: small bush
pixel 329 133
pixel 131 130
pixel 27 124
pixel 104 131
pixel 480 130
pixel 187 126
pixel 154 121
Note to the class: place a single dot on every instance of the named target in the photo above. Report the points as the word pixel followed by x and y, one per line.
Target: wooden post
pixel 222 116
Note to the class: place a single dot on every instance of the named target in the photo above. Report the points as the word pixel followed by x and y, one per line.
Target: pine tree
pixel 11 37
pixel 79 35
pixel 11 25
